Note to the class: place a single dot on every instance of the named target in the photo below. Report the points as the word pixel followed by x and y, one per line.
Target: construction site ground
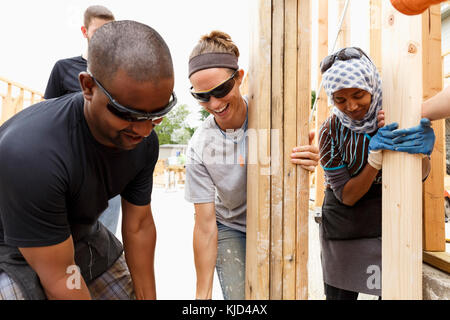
pixel 174 260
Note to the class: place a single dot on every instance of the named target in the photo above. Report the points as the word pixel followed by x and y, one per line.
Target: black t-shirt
pixel 55 176
pixel 64 77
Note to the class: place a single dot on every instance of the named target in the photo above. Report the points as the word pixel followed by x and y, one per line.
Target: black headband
pixel 213 60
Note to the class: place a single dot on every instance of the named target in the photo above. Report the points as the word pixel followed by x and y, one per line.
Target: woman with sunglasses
pixel 351 154
pixel 216 170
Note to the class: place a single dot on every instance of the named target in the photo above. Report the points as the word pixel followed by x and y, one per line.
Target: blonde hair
pixel 216 41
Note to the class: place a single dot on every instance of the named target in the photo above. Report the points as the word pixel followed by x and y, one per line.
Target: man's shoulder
pixel 77 59
pixel 70 62
pixel 44 119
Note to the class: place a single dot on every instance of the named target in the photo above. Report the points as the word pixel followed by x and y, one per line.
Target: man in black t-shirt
pixel 64 80
pixel 62 159
pixel 64 76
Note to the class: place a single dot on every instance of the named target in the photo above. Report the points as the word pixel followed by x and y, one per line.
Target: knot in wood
pixel 391 20
pixel 412 48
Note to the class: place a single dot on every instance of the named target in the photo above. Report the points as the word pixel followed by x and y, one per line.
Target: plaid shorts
pixel 114 284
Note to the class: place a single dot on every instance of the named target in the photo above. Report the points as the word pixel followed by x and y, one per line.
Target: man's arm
pixel 139 240
pixel 51 265
pixel 205 248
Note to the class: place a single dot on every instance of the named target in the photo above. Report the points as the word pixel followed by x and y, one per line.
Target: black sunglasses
pixel 132 115
pixel 343 55
pixel 219 91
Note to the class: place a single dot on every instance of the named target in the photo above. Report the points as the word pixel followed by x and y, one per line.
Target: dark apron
pixel 362 220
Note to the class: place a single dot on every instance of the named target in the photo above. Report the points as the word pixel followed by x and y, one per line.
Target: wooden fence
pixel 15 97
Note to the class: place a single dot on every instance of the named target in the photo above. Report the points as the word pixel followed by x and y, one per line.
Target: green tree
pixel 174 129
pixel 203 114
pixel 313 97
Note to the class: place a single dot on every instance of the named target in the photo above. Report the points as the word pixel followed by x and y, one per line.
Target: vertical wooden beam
pixel 433 200
pixel 375 33
pixel 8 105
pixel 280 101
pixel 402 183
pixel 258 186
pixel 322 103
pixel 345 35
pixel 303 112
pixel 18 102
pixel 290 140
pixel 276 253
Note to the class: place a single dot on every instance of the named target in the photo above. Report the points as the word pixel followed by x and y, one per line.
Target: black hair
pixel 134 47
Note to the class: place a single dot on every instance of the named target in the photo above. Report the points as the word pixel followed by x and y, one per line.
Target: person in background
pixel 64 80
pixel 216 166
pixel 351 145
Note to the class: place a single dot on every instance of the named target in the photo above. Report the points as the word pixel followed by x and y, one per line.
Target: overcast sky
pixel 35 34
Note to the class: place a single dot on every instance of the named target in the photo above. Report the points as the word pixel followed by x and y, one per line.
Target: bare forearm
pixel 205 254
pixel 139 250
pixel 68 287
pixel 437 107
pixel 358 186
pixel 55 266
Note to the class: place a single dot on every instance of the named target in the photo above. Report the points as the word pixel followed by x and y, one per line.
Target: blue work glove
pixel 383 139
pixel 418 139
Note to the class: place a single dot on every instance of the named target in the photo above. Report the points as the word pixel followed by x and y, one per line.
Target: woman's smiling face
pixel 353 102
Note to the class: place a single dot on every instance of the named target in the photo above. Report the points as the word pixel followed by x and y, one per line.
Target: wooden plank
pixel 322 103
pixel 303 112
pixel 258 180
pixel 276 252
pixel 375 33
pixel 18 85
pixel 433 189
pixel 18 102
pixel 344 39
pixel 402 185
pixel 290 141
pixel 8 105
pixel 439 260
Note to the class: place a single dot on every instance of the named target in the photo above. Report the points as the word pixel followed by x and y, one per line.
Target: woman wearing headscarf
pixel 350 146
pixel 216 166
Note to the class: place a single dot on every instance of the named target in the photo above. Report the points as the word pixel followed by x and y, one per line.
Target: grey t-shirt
pixel 216 171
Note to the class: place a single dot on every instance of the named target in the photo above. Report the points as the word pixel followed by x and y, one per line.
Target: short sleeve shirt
pixel 216 171
pixel 64 77
pixel 56 176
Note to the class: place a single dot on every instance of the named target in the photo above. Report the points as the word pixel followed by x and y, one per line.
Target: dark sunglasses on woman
pixel 343 55
pixel 132 115
pixel 219 91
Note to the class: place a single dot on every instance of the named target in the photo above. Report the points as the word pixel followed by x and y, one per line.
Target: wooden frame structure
pixel 13 102
pixel 276 255
pixel 277 203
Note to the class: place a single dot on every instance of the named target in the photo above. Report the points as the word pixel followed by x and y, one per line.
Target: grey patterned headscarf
pixel 355 73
